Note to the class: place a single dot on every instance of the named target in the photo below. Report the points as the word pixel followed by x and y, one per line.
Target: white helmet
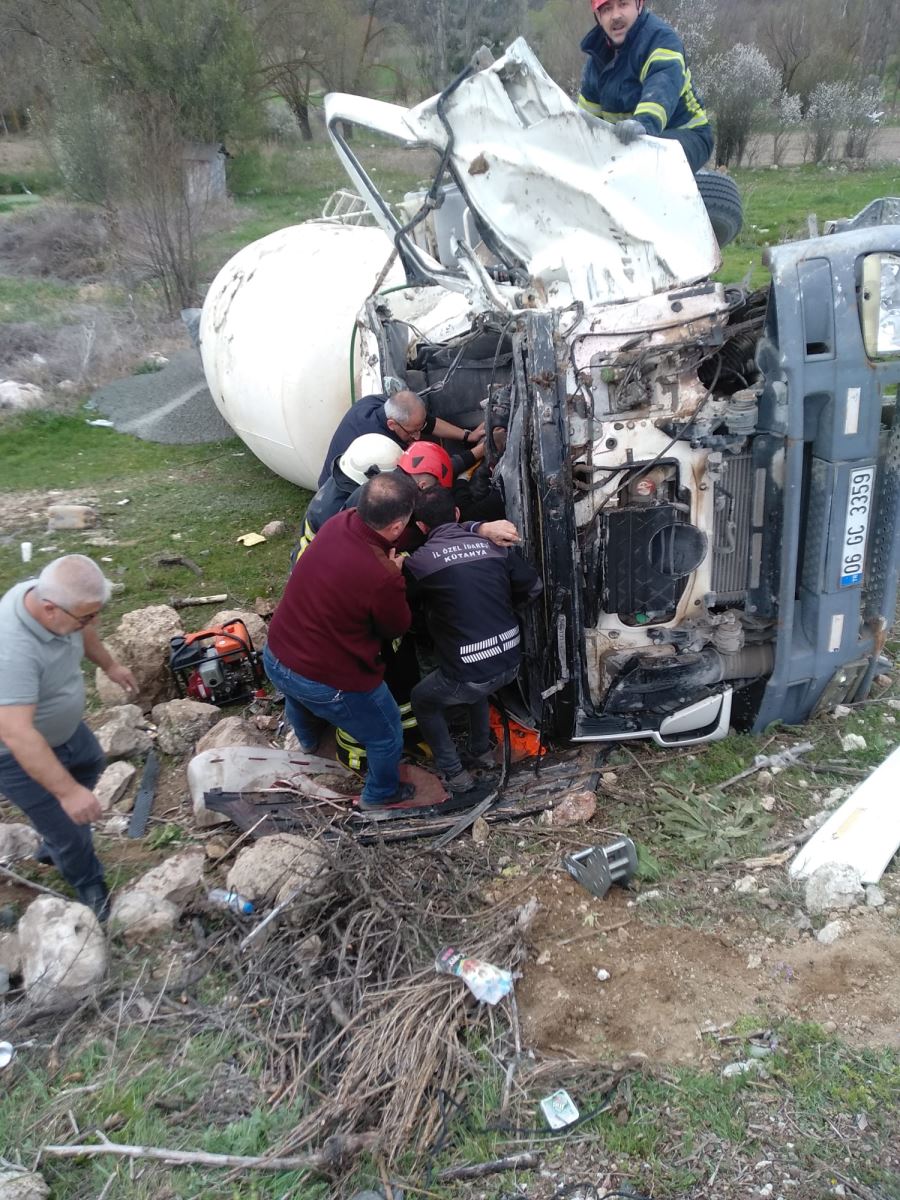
pixel 369 455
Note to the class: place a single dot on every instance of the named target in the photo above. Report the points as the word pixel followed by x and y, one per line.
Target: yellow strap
pixel 661 55
pixel 651 109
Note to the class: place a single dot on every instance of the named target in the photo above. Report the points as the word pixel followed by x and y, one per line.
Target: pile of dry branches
pixel 362 1031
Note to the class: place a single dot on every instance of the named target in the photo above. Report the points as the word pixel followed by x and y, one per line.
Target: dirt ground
pixel 671 982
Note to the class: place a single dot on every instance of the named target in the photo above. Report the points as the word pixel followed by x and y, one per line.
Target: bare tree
pixel 786 34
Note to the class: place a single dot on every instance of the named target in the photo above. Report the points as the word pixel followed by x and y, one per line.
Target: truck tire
pixel 723 204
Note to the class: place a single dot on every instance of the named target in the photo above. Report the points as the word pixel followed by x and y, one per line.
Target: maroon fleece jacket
pixel 342 601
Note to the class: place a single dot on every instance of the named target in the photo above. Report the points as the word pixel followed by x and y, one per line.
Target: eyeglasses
pixel 82 621
pixel 415 434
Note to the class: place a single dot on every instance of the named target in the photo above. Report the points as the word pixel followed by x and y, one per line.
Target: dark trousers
pixel 71 846
pixel 697 144
pixel 435 694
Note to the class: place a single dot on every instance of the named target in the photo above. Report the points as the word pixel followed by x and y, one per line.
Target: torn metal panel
pixel 556 194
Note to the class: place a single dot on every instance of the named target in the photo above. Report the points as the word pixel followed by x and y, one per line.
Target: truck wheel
pixel 723 204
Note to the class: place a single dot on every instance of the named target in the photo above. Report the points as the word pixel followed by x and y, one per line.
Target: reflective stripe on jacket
pixel 646 79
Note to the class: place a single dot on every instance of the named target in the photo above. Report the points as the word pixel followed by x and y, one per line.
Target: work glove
pixel 629 131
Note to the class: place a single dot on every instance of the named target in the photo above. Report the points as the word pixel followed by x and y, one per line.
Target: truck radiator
pixel 731 530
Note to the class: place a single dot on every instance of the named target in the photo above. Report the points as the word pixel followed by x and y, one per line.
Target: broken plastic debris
pixel 251 539
pixel 559 1109
pixel 485 981
pixel 7 1054
pixel 602 974
pixel 100 423
pixel 122 502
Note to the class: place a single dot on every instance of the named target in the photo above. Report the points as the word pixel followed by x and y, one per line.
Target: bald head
pixel 386 503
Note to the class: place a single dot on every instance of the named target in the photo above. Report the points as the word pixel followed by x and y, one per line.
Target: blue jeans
pixel 373 718
pixel 71 846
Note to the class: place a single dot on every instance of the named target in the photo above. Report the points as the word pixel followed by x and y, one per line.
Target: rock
pixel 20 396
pixel 274 529
pixel 123 734
pixel 840 711
pixel 646 897
pixel 141 642
pixel 112 783
pixel 481 831
pixel 10 953
pixel 853 741
pixel 833 885
pixel 17 841
pixel 22 1185
pixel 176 878
pixel 181 722
pixel 117 825
pixel 63 950
pixel 767 803
pixel 603 974
pixel 231 731
pixel 883 681
pixel 263 607
pixel 746 885
pixel 754 962
pixel 875 897
pixel 67 386
pixel 71 516
pixel 575 808
pixel 764 779
pixel 136 914
pixel 274 866
pixel 831 932
pixel 256 626
pixel 609 778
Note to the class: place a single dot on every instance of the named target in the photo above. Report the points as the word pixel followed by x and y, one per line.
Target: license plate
pixel 856 526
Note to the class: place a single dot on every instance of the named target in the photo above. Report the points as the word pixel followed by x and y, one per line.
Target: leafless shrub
pixel 157 217
pixel 60 241
pixel 740 84
pixel 790 118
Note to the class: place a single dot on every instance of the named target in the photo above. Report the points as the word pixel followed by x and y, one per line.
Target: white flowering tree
pixel 864 113
pixel 740 87
pixel 826 115
pixel 789 120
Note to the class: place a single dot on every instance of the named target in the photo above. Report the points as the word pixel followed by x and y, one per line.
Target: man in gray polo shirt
pixel 49 759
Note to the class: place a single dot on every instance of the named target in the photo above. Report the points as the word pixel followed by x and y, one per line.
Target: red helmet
pixel 426 458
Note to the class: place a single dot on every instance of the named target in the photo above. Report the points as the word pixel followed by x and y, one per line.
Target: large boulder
pixel 272 868
pixel 63 950
pixel 176 878
pixel 152 905
pixel 231 731
pixel 834 886
pixel 136 914
pixel 123 734
pixel 141 642
pixel 256 626
pixel 17 841
pixel 10 952
pixel 179 723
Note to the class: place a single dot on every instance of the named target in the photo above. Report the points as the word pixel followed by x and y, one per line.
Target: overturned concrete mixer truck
pixel 708 477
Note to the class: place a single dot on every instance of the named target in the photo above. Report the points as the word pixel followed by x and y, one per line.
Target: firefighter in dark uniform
pixel 636 77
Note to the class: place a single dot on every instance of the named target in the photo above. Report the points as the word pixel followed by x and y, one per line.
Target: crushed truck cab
pixel 707 477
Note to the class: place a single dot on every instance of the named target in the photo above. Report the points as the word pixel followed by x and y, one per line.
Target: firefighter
pixel 365 457
pixel 636 78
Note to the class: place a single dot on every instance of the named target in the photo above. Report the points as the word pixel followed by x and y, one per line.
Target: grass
pixel 148 1088
pixel 187 500
pixel 777 204
pixel 40 300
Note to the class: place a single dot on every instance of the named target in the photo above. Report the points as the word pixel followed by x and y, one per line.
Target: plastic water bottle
pixel 233 900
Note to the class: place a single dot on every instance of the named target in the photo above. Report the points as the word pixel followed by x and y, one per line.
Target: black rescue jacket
pixel 470 590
